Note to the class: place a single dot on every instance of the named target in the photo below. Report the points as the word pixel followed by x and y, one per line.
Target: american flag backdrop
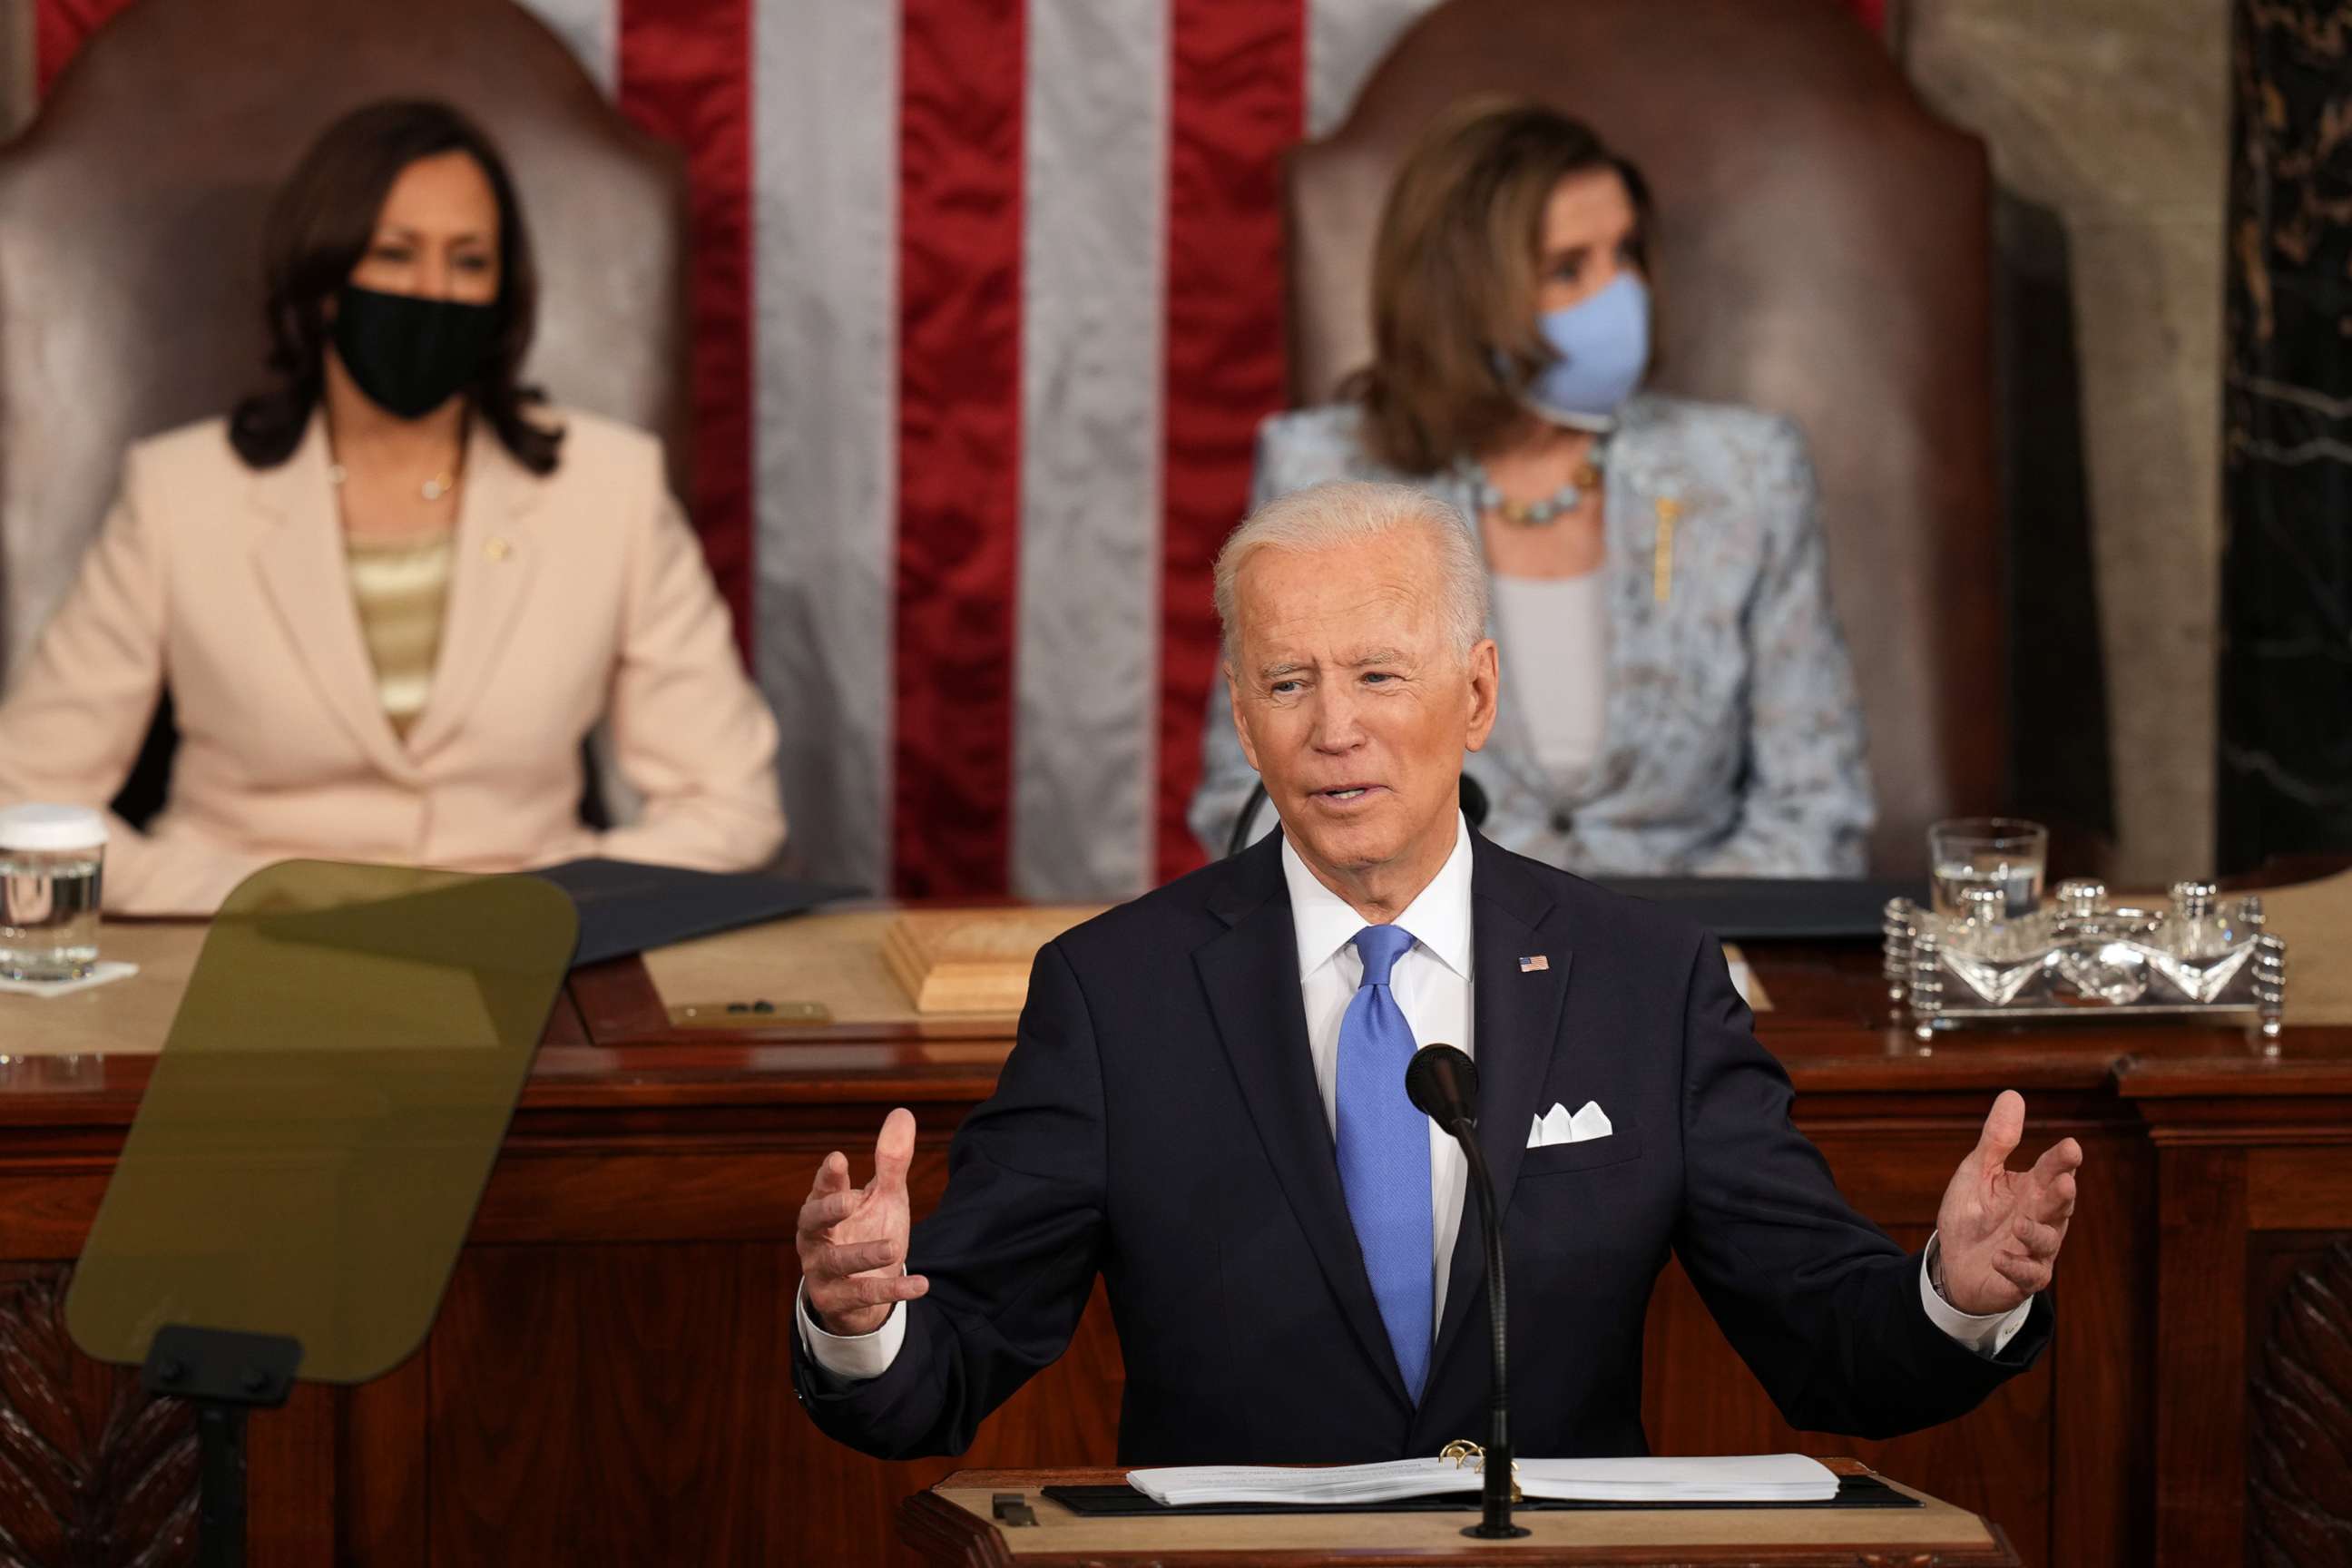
pixel 988 306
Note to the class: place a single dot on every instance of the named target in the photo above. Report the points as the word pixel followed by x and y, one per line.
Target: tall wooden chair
pixel 130 234
pixel 1823 252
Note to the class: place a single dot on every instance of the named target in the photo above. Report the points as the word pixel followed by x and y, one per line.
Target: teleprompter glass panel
pixel 326 1109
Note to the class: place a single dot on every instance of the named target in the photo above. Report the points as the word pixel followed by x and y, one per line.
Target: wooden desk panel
pixel 606 1379
pixel 2253 1263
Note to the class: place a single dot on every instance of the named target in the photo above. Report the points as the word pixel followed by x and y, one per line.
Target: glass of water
pixel 2001 852
pixel 51 859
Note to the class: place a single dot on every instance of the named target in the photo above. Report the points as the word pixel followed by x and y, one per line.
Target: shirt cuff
pixel 1988 1334
pixel 855 1358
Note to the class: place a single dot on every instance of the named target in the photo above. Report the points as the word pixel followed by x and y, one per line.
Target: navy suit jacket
pixel 1157 1124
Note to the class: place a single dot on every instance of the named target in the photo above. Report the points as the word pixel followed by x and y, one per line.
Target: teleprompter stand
pixel 224 1375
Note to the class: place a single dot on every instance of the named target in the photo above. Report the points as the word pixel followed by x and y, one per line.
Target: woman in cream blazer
pixel 572 594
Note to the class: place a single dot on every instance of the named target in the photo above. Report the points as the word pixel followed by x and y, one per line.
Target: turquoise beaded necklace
pixel 1537 513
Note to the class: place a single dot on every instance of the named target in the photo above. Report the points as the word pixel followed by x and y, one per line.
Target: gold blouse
pixel 402 590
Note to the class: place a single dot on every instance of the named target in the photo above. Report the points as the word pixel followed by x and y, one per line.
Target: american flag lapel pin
pixel 1530 965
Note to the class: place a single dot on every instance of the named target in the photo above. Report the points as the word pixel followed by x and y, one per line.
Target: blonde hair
pixel 1354 514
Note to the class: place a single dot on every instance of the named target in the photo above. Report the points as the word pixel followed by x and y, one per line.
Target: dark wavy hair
pixel 320 226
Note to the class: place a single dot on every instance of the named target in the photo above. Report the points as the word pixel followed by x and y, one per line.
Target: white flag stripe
pixel 1345 39
pixel 825 154
pixel 1085 668
pixel 593 30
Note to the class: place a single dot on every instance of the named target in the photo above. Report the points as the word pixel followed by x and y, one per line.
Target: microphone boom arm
pixel 1495 1521
pixel 1442 1081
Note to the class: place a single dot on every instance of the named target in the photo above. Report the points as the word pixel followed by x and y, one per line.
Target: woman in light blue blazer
pixel 1677 698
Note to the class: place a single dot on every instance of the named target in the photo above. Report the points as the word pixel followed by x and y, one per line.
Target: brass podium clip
pixel 1462 1451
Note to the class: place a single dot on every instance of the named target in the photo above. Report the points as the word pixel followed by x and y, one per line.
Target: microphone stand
pixel 1494 1523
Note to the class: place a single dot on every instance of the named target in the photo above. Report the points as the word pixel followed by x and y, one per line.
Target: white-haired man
pixel 1206 1107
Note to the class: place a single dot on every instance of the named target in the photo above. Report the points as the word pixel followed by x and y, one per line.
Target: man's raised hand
pixel 2001 1229
pixel 853 1240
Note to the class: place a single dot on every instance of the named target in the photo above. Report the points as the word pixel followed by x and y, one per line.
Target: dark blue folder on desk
pixel 627 907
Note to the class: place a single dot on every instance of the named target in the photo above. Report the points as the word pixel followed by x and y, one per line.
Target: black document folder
pixel 627 907
pixel 1126 1502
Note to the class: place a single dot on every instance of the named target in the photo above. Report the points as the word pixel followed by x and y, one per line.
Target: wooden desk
pixel 952 1524
pixel 2253 1325
pixel 607 1379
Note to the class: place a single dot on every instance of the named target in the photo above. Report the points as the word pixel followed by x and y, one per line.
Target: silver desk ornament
pixel 2203 955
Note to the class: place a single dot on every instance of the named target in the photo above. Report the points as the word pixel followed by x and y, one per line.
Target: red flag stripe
pixel 60 26
pixel 685 76
pixel 1237 98
pixel 961 66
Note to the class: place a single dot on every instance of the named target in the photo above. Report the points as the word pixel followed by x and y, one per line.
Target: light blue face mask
pixel 1603 344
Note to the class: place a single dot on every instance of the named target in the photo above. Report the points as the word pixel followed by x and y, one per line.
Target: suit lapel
pixel 490 573
pixel 300 558
pixel 1251 974
pixel 1519 1015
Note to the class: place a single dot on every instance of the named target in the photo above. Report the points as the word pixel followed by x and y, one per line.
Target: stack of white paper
pixel 1270 1483
pixel 1754 1477
pixel 1730 1478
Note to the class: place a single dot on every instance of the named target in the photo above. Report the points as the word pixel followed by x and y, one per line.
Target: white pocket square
pixel 1557 1126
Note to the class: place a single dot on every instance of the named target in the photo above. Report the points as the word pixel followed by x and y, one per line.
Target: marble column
pixel 2107 121
pixel 2285 783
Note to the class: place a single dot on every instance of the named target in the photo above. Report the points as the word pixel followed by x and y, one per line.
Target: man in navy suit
pixel 1206 1107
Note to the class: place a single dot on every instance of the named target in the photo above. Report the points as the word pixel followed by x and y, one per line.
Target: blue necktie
pixel 1384 1155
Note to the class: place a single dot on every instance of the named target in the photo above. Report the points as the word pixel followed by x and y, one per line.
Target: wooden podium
pixel 954 1522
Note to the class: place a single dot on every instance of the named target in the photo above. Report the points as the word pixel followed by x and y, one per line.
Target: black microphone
pixel 1443 1083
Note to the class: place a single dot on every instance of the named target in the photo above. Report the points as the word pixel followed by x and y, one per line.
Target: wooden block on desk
pixel 973 960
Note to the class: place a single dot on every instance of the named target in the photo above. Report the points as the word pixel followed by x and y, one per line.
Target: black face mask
pixel 412 355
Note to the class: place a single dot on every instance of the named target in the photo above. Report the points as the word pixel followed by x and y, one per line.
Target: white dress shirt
pixel 1431 985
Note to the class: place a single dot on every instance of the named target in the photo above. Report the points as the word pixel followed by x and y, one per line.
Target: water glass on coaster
pixel 2001 852
pixel 51 859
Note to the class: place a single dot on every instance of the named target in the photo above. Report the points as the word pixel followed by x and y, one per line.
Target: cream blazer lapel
pixel 298 555
pixel 491 575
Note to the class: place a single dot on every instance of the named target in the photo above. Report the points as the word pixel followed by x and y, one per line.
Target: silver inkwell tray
pixel 2202 956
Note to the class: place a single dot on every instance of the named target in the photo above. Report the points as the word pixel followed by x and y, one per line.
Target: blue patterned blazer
pixel 1733 742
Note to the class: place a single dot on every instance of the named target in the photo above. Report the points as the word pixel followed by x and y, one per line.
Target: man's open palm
pixel 2001 1229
